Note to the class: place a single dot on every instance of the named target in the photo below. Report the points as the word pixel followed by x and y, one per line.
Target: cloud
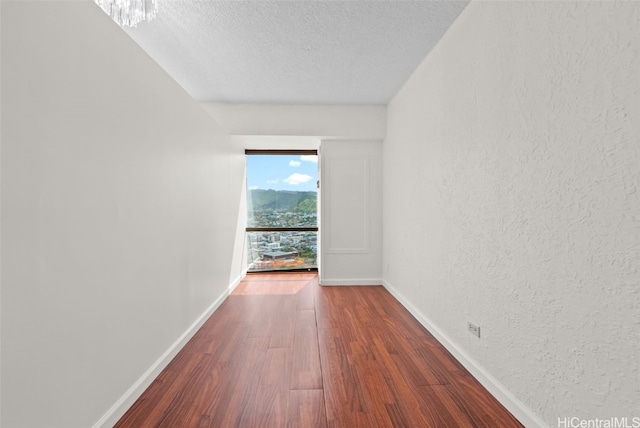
pixel 295 179
pixel 253 187
pixel 294 163
pixel 309 158
pixel 272 181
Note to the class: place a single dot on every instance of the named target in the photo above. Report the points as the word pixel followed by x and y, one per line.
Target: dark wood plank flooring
pixel 282 351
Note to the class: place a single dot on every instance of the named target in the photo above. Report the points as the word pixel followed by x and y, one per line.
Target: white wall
pixel 339 121
pixel 0 211
pixel 119 204
pixel 512 175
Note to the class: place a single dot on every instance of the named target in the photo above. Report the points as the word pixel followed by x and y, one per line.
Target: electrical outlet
pixel 473 329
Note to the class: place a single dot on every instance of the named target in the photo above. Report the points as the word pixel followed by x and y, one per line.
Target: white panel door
pixel 351 212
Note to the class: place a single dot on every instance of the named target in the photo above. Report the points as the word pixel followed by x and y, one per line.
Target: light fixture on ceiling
pixel 129 12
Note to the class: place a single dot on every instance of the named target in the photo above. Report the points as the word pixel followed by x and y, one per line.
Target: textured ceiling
pixel 294 52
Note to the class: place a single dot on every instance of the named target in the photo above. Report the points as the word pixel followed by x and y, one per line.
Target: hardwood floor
pixel 282 351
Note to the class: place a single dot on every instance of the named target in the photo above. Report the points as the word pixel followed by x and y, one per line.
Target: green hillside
pixel 283 200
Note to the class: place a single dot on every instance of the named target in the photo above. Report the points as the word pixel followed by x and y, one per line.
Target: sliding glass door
pixel 282 210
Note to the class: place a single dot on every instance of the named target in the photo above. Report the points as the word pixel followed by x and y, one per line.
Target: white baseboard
pixel 502 394
pixel 116 411
pixel 236 282
pixel 357 281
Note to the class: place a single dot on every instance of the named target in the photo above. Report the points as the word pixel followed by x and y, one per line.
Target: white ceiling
pixel 294 52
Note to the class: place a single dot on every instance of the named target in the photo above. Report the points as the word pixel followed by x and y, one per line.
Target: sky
pixel 282 172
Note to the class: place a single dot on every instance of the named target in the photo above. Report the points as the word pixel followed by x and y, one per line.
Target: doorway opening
pixel 282 210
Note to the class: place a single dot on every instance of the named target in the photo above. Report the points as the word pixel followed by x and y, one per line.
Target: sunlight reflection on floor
pixel 273 284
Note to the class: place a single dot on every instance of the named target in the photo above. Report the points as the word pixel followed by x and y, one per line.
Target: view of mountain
pixel 283 200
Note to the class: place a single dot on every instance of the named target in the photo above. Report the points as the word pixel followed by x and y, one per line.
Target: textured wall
pixel 512 199
pixel 119 205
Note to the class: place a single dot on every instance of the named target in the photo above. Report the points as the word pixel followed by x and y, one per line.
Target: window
pixel 282 210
